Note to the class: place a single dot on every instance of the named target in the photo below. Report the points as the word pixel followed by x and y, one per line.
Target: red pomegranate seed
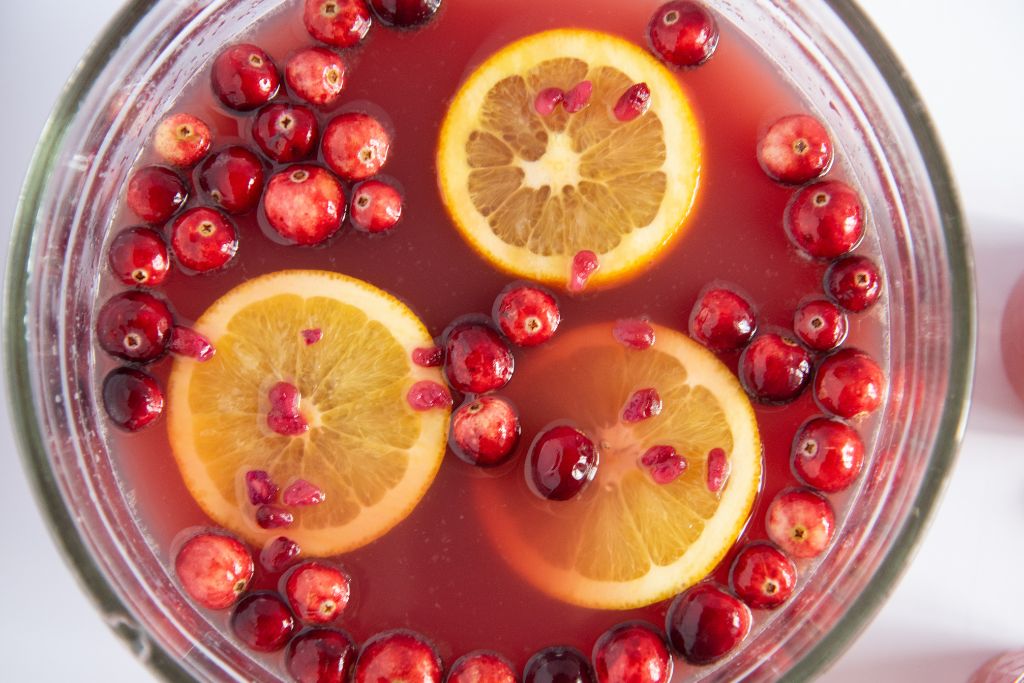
pixel 642 405
pixel 278 553
pixel 273 517
pixel 312 336
pixel 547 100
pixel 260 487
pixel 431 357
pixel 634 333
pixel 284 416
pixel 664 464
pixel 634 103
pixel 302 492
pixel 584 265
pixel 578 97
pixel 718 469
pixel 426 395
pixel 182 139
pixel 187 342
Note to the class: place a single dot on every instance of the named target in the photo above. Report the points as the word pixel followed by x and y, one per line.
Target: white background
pixel 960 601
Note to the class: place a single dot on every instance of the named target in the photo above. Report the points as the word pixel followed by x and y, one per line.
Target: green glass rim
pixel 950 432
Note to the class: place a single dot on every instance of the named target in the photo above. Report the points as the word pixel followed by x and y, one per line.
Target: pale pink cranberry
pixel 244 77
pixel 547 100
pixel 318 593
pixel 398 656
pixel 719 469
pixel 188 343
pixel 584 264
pixel 795 150
pixel 355 145
pixel 138 256
pixel 405 13
pixel 341 23
pixel 854 282
pixel 263 622
pixel 233 179
pixel 203 240
pixel 182 139
pixel 285 415
pixel 273 517
pixel 278 554
pixel 132 399
pixel 320 655
pixel 849 384
pixel 642 404
pixel 134 326
pixel 428 357
pixel 683 33
pixel 800 522
pixel 260 488
pixel 428 395
pixel 214 569
pixel 634 333
pixel 664 464
pixel 821 325
pixel 774 369
pixel 762 576
pixel 706 623
pixel 376 206
pixel 156 193
pixel 827 454
pixel 722 320
pixel 477 359
pixel 528 315
pixel 633 652
pixel 558 664
pixel 562 460
pixel 633 104
pixel 825 220
pixel 302 492
pixel 485 431
pixel 304 204
pixel 577 98
pixel 316 75
pixel 285 132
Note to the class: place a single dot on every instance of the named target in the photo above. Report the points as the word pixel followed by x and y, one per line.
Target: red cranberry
pixel 577 98
pixel 301 492
pixel 854 283
pixel 320 655
pixel 633 104
pixel 317 593
pixel 827 454
pixel 138 256
pixel 273 517
pixel 304 204
pixel 719 469
pixel 376 206
pixel 203 240
pixel 561 462
pixel 398 656
pixel 244 77
pixel 825 219
pixel 849 384
pixel 683 33
pixel 214 569
pixel 260 487
pixel 132 398
pixel 705 623
pixel 722 320
pixel 155 193
pixel 664 463
pixel 632 653
pixel 263 622
pixel 182 140
pixel 820 324
pixel 233 178
pixel 481 667
pixel 477 359
pixel 278 554
pixel 134 326
pixel 634 333
pixel 795 150
pixel 774 369
pixel 355 145
pixel 317 75
pixel 763 576
pixel 285 414
pixel 428 395
pixel 643 404
pixel 526 314
pixel 285 132
pixel 188 343
pixel 485 431
pixel 800 522
pixel 405 13
pixel 584 264
pixel 558 665
pixel 341 23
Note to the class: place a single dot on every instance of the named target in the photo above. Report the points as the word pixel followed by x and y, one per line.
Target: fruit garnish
pixel 530 191
pixel 825 220
pixel 559 663
pixel 214 569
pixel 182 139
pixel 683 33
pixel 398 656
pixel 801 522
pixel 263 622
pixel 722 320
pixel 634 652
pixel 854 282
pixel 369 452
pixel 796 149
pixel 763 576
pixel 706 623
pixel 132 399
pixel 849 384
pixel 155 193
pixel 627 539
pixel 320 655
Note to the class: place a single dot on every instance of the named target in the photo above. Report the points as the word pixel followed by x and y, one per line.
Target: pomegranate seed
pixel 825 220
pixel 182 140
pixel 431 357
pixel 134 326
pixel 722 320
pixel 304 204
pixel 312 336
pixel 827 454
pixel 477 359
pixel 233 179
pixel 642 405
pixel 634 333
pixel 795 150
pixel 719 469
pixel 203 240
pixel 376 206
pixel 263 622
pixel 155 193
pixel 273 517
pixel 762 576
pixel 683 33
pixel 316 75
pixel 278 554
pixel 526 314
pixel 132 398
pixel 854 282
pixel 774 369
pixel 558 665
pixel 705 623
pixel 578 97
pixel 301 492
pixel 561 462
pixel 260 487
pixel 355 145
pixel 138 256
pixel 285 132
pixel 317 593
pixel 547 100
pixel 426 395
pixel 849 384
pixel 244 77
pixel 405 13
pixel 341 23
pixel 820 324
pixel 800 522
pixel 285 416
pixel 398 656
pixel 214 569
pixel 632 653
pixel 187 342
pixel 481 667
pixel 664 464
pixel 634 103
pixel 485 431
pixel 584 265
pixel 320 655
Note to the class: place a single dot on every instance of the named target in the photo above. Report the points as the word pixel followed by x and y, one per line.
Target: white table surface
pixel 960 600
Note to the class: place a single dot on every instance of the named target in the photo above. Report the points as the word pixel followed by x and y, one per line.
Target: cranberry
pixel 547 100
pixel 633 104
pixel 278 553
pixel 825 219
pixel 634 333
pixel 138 256
pixel 820 324
pixel 214 569
pixel 800 522
pixel 683 33
pixel 796 149
pixel 774 369
pixel 643 404
pixel 355 145
pixel 405 13
pixel 155 193
pixel 577 98
pixel 485 431
pixel 134 326
pixel 203 240
pixel 301 492
pixel 376 206
pixel 304 204
pixel 398 656
pixel 762 576
pixel 320 655
pixel 719 469
pixel 427 395
pixel 584 264
pixel 233 178
pixel 664 464
pixel 316 75
pixel 263 622
pixel 849 384
pixel 558 665
pixel 285 132
pixel 260 488
pixel 273 517
pixel 285 414
pixel 854 283
pixel 318 593
pixel 481 667
pixel 632 653
pixel 188 343
pixel 705 623
pixel 827 454
pixel 244 77
pixel 561 462
pixel 722 320
pixel 526 314
pixel 477 359
pixel 132 398
pixel 428 357
pixel 182 140
pixel 341 23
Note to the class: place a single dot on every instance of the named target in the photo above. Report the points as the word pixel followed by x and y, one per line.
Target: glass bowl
pixel 154 48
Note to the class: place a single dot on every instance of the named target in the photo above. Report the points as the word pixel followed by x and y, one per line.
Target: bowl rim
pixel 31 443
